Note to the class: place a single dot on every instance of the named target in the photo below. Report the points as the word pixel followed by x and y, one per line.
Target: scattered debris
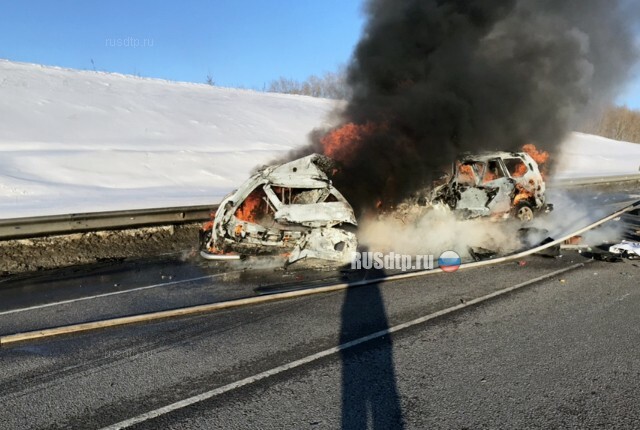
pixel 532 237
pixel 627 248
pixel 290 209
pixel 577 247
pixel 479 253
pixel 601 253
pixel 574 240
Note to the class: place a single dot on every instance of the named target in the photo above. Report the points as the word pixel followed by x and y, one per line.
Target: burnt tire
pixel 523 212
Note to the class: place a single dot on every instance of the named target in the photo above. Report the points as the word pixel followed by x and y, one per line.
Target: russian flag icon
pixel 449 261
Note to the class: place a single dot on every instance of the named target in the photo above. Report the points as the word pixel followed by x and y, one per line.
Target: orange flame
pixel 523 194
pixel 520 171
pixel 539 156
pixel 342 143
pixel 465 174
pixel 488 177
pixel 250 208
pixel 214 250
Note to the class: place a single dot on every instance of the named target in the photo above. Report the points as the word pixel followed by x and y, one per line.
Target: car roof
pixel 485 156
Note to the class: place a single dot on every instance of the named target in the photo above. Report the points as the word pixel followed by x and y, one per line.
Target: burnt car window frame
pixel 474 182
pixel 278 202
pixel 269 203
pixel 528 166
pixel 504 173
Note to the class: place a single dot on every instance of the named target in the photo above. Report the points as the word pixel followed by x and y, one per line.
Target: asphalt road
pixel 562 352
pixel 531 358
pixel 113 289
pixel 558 355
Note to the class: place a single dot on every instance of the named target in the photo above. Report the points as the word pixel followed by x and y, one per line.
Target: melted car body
pixel 291 209
pixel 495 184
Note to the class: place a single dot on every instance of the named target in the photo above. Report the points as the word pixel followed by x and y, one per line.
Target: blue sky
pixel 630 96
pixel 241 43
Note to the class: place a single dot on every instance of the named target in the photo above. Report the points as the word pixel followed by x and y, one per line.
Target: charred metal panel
pixel 317 215
pixel 291 208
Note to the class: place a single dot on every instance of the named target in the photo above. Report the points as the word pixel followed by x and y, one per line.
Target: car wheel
pixel 523 211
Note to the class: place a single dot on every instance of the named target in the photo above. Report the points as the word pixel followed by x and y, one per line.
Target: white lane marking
pixel 619 299
pixel 314 357
pixel 113 293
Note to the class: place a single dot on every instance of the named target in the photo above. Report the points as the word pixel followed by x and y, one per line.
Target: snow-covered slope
pixel 81 141
pixel 586 155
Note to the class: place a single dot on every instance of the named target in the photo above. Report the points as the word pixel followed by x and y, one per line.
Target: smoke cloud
pixel 432 79
pixel 436 231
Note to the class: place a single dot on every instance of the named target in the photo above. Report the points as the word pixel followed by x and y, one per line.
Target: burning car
pixel 495 184
pixel 291 209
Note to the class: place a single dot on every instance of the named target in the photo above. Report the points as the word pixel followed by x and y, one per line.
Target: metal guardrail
pixel 10 339
pixel 596 180
pixel 20 228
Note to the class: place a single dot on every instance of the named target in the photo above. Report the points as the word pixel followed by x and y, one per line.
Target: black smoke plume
pixel 445 77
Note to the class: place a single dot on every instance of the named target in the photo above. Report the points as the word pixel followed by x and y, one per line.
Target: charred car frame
pixel 500 184
pixel 290 209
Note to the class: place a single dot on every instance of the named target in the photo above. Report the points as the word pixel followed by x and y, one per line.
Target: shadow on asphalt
pixel 369 392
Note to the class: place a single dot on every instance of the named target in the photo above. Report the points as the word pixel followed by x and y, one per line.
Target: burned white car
pixel 500 184
pixel 290 209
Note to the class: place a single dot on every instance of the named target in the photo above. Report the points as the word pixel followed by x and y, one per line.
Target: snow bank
pixel 81 141
pixel 585 155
